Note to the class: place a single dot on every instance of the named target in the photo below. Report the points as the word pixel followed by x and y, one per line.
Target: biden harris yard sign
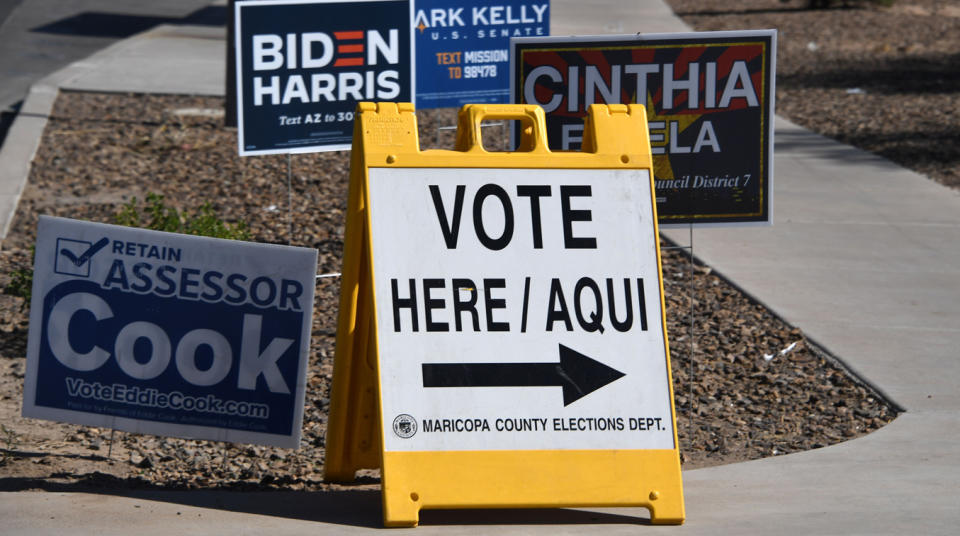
pixel 169 334
pixel 303 65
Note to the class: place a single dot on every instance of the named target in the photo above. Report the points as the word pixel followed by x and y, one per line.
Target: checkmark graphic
pixel 85 256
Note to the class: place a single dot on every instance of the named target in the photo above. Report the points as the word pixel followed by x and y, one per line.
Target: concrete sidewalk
pixel 864 256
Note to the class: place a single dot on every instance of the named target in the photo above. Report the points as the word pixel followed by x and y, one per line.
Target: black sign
pixel 304 65
pixel 709 99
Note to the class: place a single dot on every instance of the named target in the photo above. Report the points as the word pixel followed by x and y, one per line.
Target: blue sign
pixel 463 48
pixel 169 334
pixel 303 65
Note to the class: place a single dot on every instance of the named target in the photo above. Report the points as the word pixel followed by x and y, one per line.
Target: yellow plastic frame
pixel 385 135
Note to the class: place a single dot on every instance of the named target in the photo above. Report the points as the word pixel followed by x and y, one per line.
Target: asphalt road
pixel 38 37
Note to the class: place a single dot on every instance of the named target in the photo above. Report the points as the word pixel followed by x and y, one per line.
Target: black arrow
pixel 578 374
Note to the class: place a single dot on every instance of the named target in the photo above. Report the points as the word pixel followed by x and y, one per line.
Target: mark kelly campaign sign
pixel 169 334
pixel 463 48
pixel 303 65
pixel 710 105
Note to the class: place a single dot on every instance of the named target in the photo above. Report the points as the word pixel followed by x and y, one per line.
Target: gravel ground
pixel 884 79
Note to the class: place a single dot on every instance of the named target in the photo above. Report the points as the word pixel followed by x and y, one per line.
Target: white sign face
pixel 518 309
pixel 169 334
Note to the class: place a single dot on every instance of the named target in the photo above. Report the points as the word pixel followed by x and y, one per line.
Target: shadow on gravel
pixel 14 344
pixel 927 74
pixel 727 12
pixel 9 484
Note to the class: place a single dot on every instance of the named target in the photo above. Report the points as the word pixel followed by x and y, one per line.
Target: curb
pixel 22 142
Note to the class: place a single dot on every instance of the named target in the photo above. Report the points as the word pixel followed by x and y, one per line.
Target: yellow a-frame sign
pixel 502 339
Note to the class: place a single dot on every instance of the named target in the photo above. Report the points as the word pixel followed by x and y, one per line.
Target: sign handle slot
pixel 533 127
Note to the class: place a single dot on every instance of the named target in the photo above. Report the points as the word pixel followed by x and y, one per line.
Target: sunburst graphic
pixel 662 167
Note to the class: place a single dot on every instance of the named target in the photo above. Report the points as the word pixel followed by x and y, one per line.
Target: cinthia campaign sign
pixel 169 334
pixel 709 99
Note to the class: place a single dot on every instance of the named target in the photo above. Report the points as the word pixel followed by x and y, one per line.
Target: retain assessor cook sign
pixel 303 65
pixel 518 310
pixel 169 334
pixel 709 99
